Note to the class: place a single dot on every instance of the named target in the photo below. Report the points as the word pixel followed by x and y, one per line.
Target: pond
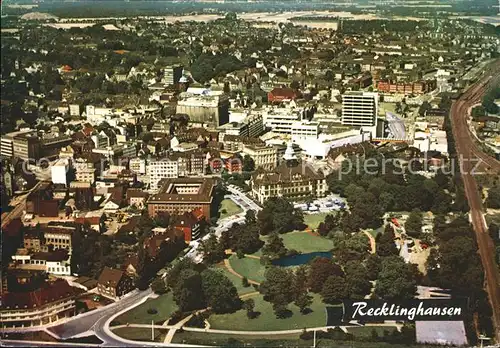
pixel 300 259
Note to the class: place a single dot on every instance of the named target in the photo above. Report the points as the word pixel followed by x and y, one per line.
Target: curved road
pixel 470 153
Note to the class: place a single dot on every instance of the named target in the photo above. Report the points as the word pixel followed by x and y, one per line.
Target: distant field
pixel 267 321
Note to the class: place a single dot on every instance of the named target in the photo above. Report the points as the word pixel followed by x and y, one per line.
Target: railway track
pixel 469 152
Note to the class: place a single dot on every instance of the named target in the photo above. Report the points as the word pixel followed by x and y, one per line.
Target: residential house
pixel 114 283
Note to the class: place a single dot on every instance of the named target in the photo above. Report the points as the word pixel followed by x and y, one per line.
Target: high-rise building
pixel 359 109
pixel 172 74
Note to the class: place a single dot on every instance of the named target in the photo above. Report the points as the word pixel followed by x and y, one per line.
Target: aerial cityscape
pixel 250 173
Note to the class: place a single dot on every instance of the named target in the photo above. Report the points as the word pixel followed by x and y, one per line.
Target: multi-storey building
pixel 263 156
pixel 50 146
pixel 59 171
pixel 51 303
pixel 137 165
pixel 114 283
pixel 177 196
pixel 251 126
pixel 281 120
pixel 162 169
pixel 305 130
pixel 204 106
pixel 292 182
pixel 292 179
pixel 26 146
pixel 7 142
pixel 54 262
pixel 172 74
pixel 359 109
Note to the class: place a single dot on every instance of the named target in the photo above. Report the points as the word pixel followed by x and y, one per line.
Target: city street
pixel 243 202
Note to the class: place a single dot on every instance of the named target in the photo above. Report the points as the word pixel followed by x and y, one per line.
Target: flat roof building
pixel 180 195
pixel 359 109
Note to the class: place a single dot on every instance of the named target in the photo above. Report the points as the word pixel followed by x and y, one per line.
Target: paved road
pixel 86 322
pixel 252 333
pixel 21 343
pixel 243 202
pixel 469 152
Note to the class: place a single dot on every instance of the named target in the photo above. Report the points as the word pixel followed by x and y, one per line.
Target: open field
pixel 267 321
pixel 230 209
pixel 305 242
pixel 236 281
pixel 313 220
pixel 140 334
pixel 248 267
pixel 164 305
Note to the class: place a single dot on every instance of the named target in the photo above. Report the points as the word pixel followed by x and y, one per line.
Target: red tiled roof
pixel 110 277
pixel 284 92
pixel 49 292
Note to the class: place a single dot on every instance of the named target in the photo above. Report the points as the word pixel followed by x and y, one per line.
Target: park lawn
pixel 236 281
pixel 313 220
pixel 163 304
pixel 248 267
pixel 267 320
pixel 230 207
pixel 140 333
pixel 305 242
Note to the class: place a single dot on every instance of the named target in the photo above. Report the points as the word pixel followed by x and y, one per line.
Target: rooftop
pixel 184 190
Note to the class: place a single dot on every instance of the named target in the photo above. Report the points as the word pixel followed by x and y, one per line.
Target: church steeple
pixel 289 153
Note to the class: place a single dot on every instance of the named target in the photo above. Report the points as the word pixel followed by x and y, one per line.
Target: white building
pixel 59 171
pixel 74 110
pixel 263 156
pixel 359 109
pixel 251 126
pixel 304 130
pixel 161 169
pixel 281 120
pixel 137 165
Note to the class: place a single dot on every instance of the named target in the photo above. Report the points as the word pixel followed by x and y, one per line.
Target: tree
pixel 334 289
pixel 350 247
pixel 158 286
pixel 493 200
pixel 248 164
pixel 213 251
pixel 413 225
pixel 274 247
pixel 385 242
pixel 321 268
pixel 279 215
pixel 373 266
pixel 244 282
pixel 249 306
pixel 357 281
pixel 276 288
pixel 365 211
pixel 186 291
pixel 250 217
pixel 396 279
pixel 219 291
pixel 303 301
